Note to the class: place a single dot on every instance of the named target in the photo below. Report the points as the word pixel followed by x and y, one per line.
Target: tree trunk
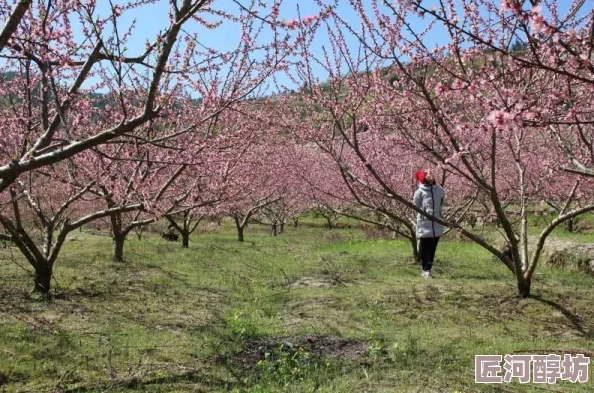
pixel 185 239
pixel 282 228
pixel 524 288
pixel 118 248
pixel 43 276
pixel 522 284
pixel 295 221
pixel 330 226
pixel 240 228
pixel 273 230
pixel 117 237
pixel 570 225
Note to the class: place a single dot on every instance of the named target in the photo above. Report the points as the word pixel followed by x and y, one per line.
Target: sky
pixel 149 20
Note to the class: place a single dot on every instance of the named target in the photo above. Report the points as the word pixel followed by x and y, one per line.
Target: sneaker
pixel 426 274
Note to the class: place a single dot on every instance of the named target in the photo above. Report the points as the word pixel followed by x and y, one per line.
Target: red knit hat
pixel 420 176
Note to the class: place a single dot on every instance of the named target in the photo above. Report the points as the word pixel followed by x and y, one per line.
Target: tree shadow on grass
pixel 575 320
pixel 197 377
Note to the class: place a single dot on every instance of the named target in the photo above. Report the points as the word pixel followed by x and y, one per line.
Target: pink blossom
pixel 500 118
pixel 511 5
pixel 275 11
pixel 441 88
pixel 292 24
pixel 309 19
pixel 538 22
pixel 458 85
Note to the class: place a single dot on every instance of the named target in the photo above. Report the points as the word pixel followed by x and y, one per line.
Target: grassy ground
pixel 310 310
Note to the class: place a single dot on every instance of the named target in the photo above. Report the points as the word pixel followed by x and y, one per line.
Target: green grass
pixel 174 320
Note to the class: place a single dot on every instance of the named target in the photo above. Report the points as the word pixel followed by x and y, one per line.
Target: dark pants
pixel 427 251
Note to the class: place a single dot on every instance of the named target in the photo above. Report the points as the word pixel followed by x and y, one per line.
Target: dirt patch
pixel 334 237
pixel 569 255
pixel 318 282
pixel 319 346
pixel 584 225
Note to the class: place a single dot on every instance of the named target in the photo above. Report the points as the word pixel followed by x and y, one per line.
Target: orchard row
pixel 494 97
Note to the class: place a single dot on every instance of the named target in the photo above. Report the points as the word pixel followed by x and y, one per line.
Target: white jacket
pixel 429 198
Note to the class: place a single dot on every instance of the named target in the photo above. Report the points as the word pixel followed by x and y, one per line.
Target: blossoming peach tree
pixel 501 122
pixel 81 113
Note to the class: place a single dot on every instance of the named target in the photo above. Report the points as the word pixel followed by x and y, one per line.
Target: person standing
pixel 429 197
